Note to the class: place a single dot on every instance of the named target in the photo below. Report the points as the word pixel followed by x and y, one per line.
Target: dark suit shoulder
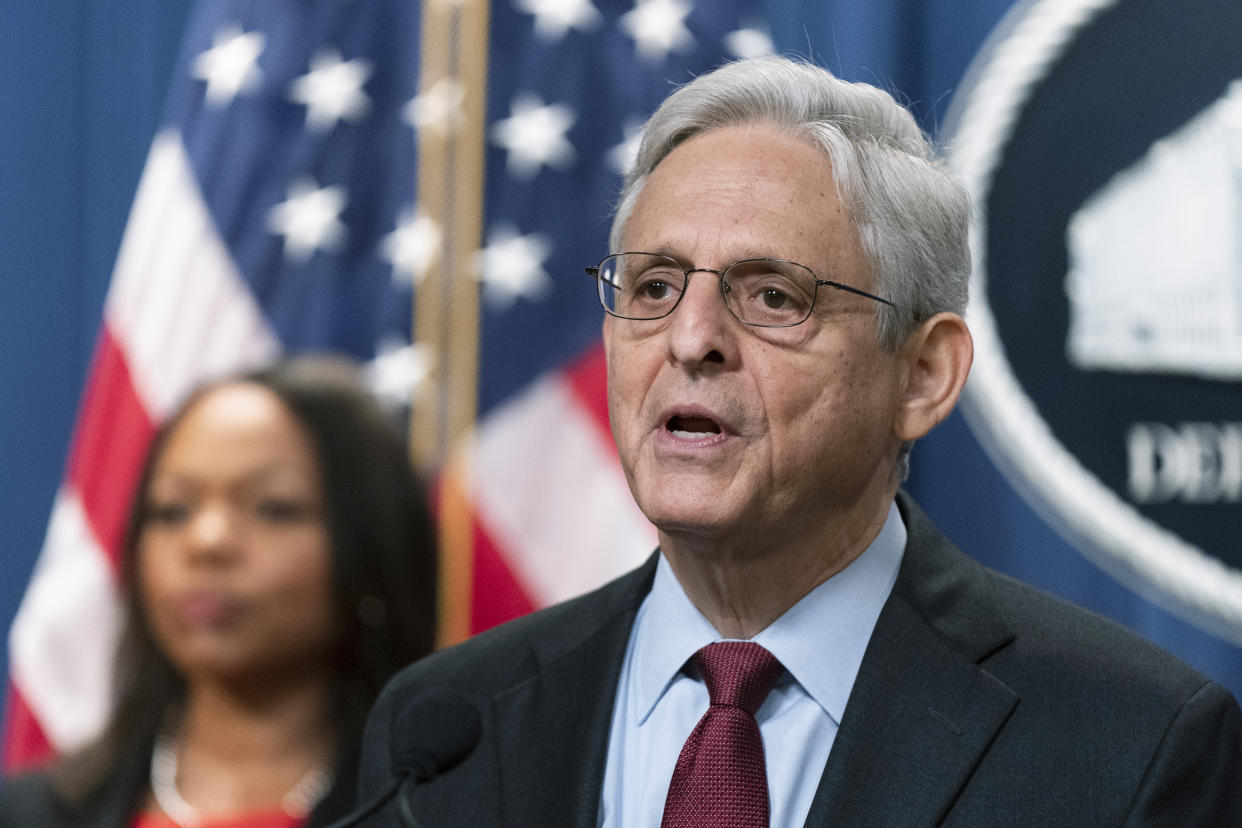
pixel 1149 733
pixel 492 661
pixel 1066 641
pixel 1096 725
pixel 1023 634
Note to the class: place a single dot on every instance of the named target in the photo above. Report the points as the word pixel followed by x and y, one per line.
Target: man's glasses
pixel 766 293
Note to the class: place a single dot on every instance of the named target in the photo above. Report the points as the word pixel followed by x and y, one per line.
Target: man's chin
pixel 706 522
pixel 694 502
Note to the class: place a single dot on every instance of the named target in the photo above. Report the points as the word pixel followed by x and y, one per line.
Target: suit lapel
pixel 916 724
pixel 922 711
pixel 552 730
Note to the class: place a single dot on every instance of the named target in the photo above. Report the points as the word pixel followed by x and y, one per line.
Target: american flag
pixel 284 208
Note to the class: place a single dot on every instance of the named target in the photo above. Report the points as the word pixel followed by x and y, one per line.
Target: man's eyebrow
pixel 755 253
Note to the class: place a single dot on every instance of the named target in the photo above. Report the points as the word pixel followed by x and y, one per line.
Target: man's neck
pixel 742 585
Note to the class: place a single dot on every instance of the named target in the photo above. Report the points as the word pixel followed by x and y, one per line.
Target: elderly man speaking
pixel 783 319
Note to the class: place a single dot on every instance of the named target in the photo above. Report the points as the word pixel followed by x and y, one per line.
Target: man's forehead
pixel 745 160
pixel 745 148
pixel 754 191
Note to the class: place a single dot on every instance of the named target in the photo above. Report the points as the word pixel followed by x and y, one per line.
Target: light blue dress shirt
pixel 820 641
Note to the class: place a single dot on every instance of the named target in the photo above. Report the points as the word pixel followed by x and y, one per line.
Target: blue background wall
pixel 81 85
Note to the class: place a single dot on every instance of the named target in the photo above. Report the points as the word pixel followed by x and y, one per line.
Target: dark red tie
pixel 720 780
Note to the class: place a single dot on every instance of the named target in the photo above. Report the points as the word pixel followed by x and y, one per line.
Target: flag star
pixel 658 27
pixel 554 18
pixel 438 109
pixel 332 90
pixel 230 66
pixel 749 43
pixel 622 157
pixel 309 219
pixel 398 372
pixel 413 247
pixel 511 266
pixel 534 136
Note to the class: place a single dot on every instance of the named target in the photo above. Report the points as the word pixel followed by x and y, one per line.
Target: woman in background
pixel 279 567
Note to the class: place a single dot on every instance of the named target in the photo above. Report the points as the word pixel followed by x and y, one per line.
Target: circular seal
pixel 1101 141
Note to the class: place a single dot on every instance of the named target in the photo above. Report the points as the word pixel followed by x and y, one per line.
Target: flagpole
pixel 446 314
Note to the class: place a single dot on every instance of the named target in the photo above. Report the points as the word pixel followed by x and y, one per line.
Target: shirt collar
pixel 820 640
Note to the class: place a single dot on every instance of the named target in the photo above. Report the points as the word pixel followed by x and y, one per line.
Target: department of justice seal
pixel 1101 141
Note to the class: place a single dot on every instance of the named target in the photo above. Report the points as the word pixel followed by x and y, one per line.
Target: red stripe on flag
pixel 587 377
pixel 497 595
pixel 25 745
pixel 110 444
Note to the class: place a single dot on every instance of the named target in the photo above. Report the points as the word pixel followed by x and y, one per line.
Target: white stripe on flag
pixel 178 307
pixel 593 530
pixel 63 638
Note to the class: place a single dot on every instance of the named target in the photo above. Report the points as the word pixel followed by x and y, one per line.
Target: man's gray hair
pixel 911 215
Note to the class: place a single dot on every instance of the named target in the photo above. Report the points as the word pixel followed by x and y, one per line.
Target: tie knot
pixel 738 673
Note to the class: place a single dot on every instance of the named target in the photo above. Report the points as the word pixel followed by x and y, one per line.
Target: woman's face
pixel 234 557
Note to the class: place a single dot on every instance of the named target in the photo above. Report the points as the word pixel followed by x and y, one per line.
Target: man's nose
pixel 701 329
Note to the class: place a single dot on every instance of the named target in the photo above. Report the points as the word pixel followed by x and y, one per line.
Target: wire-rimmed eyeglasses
pixel 765 293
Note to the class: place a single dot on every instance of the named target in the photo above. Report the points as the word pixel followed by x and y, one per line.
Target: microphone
pixel 434 732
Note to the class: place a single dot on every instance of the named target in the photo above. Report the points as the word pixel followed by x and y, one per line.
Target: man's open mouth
pixel 691 428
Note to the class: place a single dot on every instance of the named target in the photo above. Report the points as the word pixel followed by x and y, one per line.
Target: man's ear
pixel 936 359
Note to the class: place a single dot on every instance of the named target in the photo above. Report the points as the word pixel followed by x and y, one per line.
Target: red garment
pixel 255 819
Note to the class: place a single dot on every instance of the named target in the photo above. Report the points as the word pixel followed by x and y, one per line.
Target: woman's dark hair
pixel 383 558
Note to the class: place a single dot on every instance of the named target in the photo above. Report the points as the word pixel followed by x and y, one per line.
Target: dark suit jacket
pixel 28 801
pixel 980 701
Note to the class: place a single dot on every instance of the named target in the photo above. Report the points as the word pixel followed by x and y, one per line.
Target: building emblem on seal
pixel 1101 141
